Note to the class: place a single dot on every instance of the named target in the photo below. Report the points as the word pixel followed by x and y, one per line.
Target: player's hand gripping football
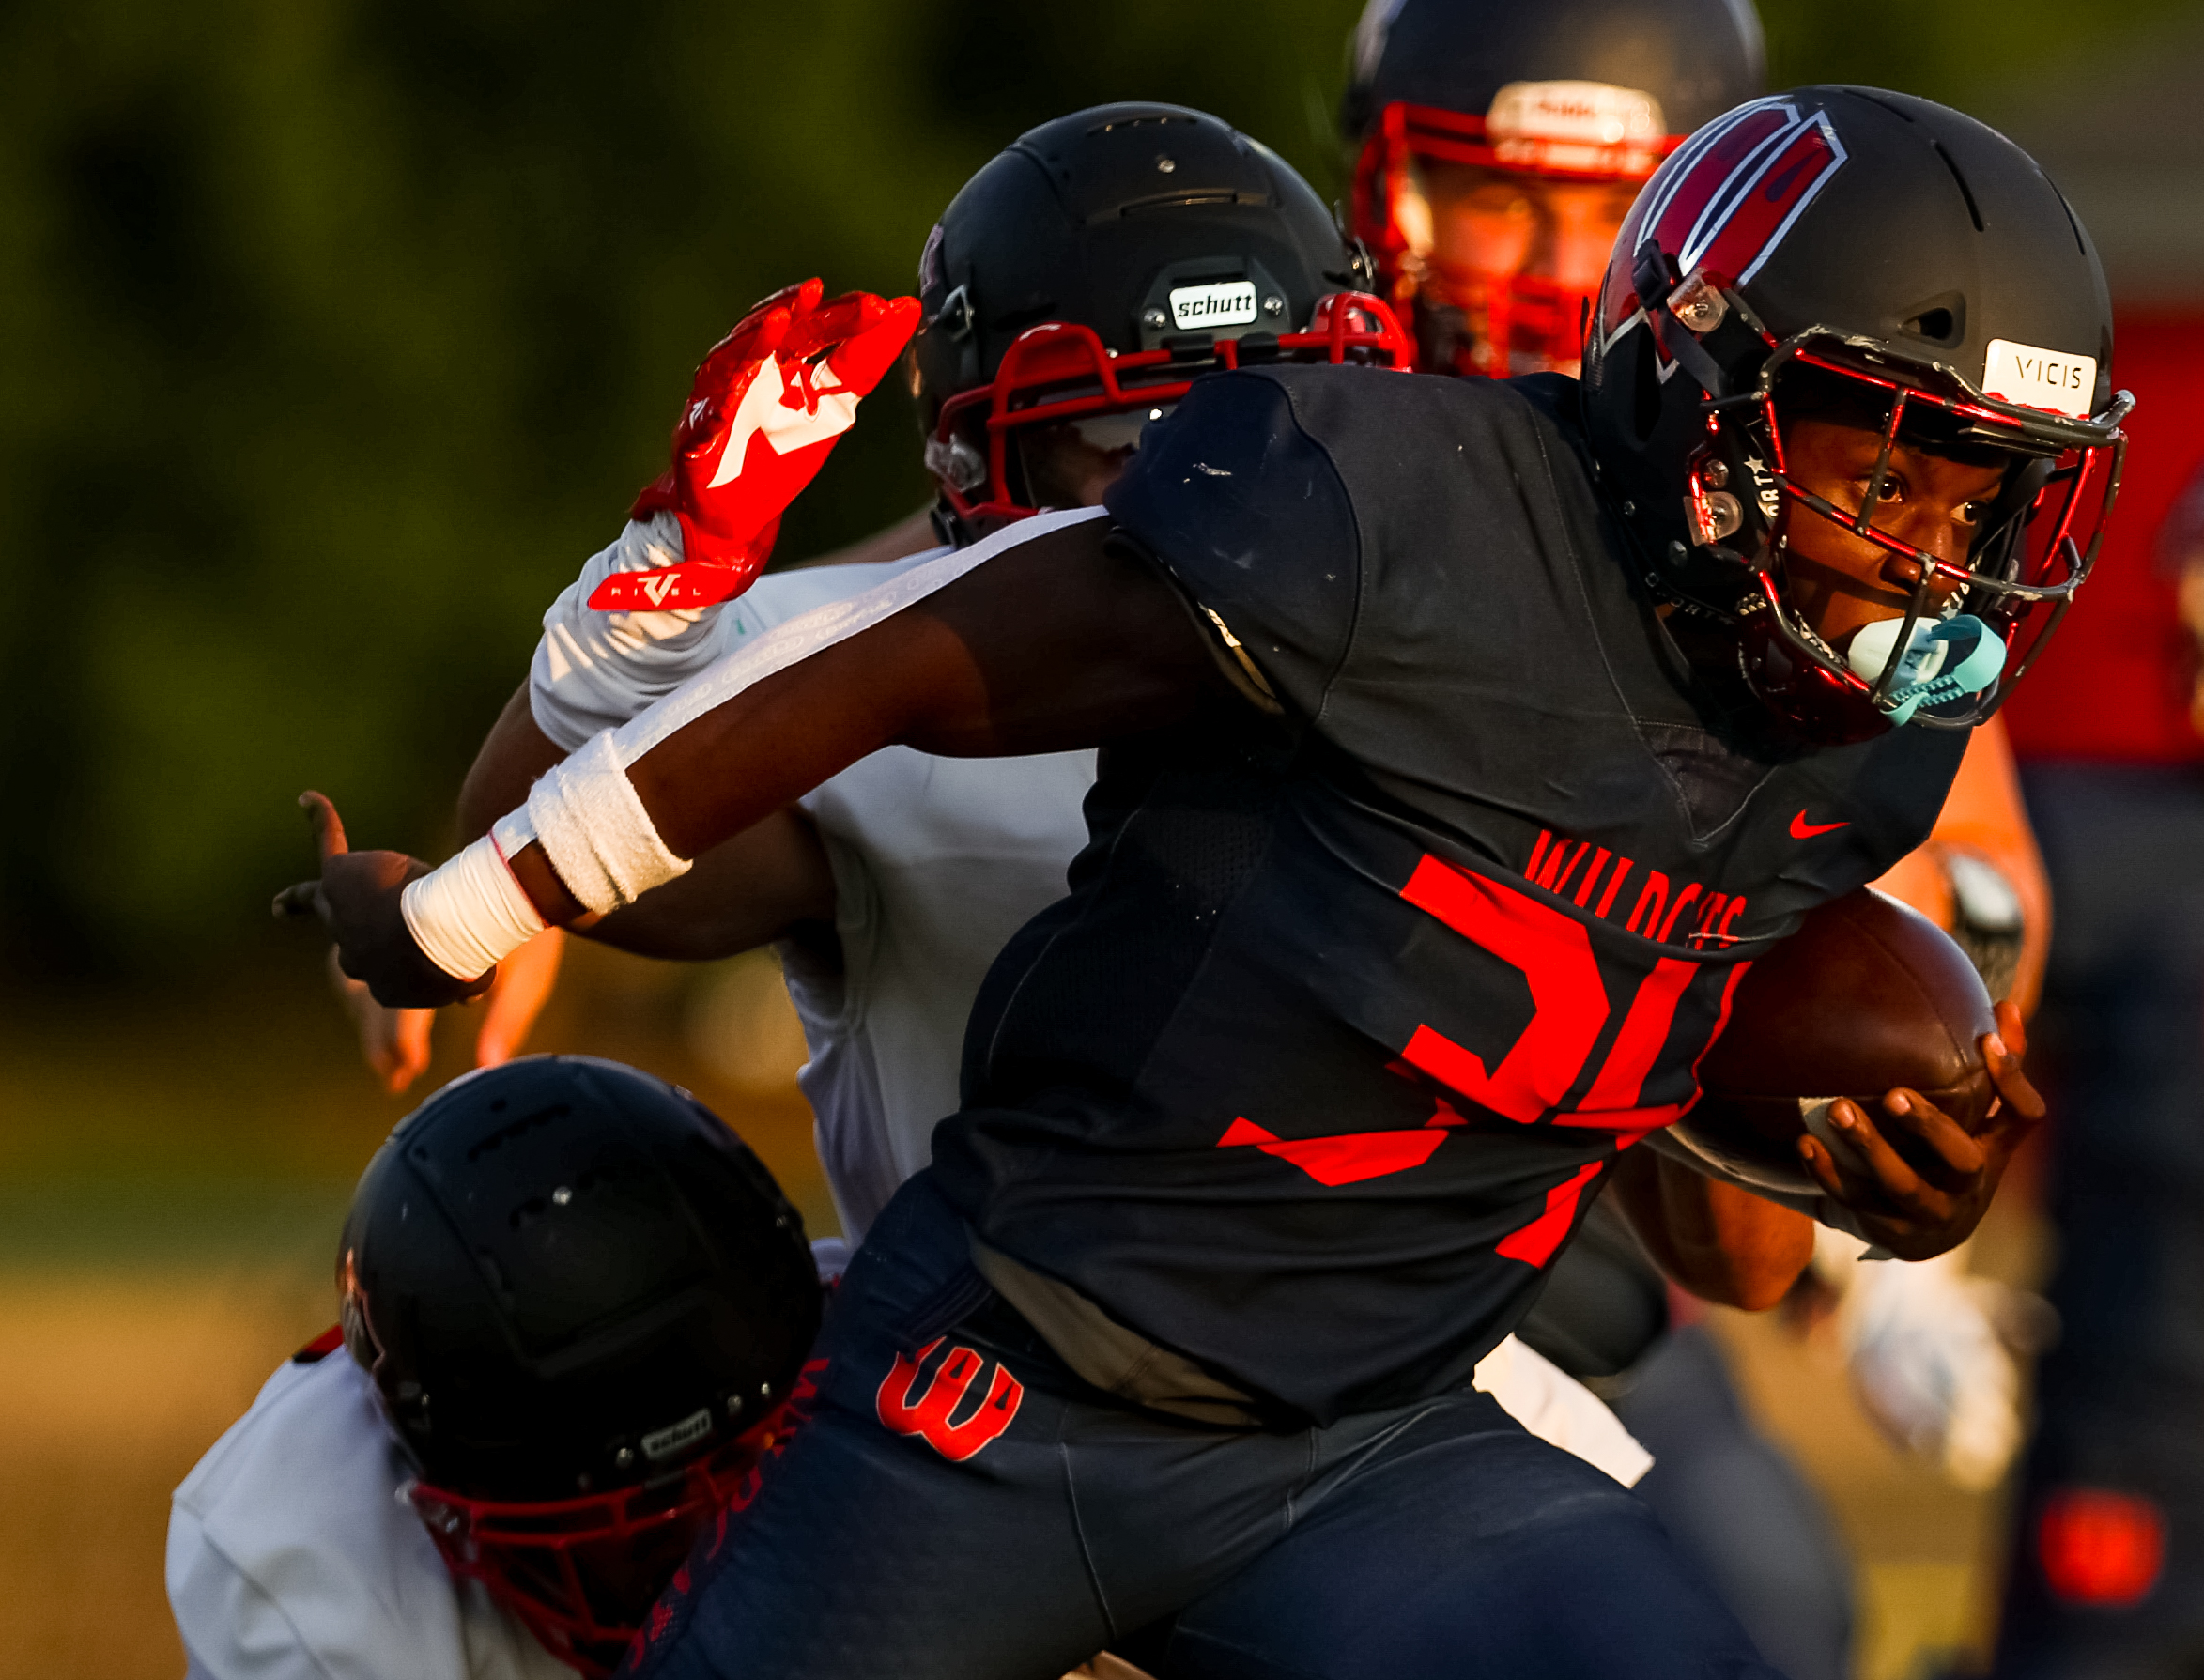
pixel 1919 1213
pixel 767 404
pixel 356 896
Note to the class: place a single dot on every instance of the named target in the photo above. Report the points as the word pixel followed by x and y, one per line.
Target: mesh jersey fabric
pixel 1348 1012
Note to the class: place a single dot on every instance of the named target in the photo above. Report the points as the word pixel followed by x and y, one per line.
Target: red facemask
pixel 2033 552
pixel 1061 375
pixel 581 1574
pixel 1491 232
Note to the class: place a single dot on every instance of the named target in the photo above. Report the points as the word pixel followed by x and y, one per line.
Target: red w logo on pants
pixel 908 1411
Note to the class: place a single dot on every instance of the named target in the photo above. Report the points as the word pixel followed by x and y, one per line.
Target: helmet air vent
pixel 1940 321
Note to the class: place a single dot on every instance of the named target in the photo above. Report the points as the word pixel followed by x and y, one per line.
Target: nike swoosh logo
pixel 1802 830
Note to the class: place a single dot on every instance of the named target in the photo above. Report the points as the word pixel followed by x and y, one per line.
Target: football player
pixel 894 885
pixel 575 1311
pixel 1497 149
pixel 1270 1126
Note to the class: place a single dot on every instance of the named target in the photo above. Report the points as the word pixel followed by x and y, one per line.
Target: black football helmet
pixel 1919 265
pixel 1092 270
pixel 1499 145
pixel 579 1296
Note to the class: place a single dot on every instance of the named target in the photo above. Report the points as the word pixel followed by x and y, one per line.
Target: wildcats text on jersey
pixel 1575 870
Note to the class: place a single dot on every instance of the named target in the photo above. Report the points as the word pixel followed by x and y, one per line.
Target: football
pixel 1866 996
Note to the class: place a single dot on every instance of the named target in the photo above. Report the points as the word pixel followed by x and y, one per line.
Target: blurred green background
pixel 333 338
pixel 333 335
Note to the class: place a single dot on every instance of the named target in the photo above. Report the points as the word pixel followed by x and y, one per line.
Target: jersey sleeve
pixel 1249 516
pixel 231 1630
pixel 594 669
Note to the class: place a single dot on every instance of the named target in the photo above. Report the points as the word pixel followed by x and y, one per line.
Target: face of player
pixel 1496 224
pixel 1839 582
pixel 1489 230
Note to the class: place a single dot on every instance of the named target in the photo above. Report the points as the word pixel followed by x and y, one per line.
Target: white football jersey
pixel 292 1554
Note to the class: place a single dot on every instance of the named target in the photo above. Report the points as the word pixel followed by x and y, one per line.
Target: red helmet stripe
pixel 1726 200
pixel 1749 220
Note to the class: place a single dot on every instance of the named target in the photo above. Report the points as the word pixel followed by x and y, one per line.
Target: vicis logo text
pixel 2040 378
pixel 1199 308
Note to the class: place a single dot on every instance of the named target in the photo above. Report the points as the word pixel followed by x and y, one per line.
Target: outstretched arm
pixel 761 414
pixel 1063 642
pixel 769 882
pixel 1060 641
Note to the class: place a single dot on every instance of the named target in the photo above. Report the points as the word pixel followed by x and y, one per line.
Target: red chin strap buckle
pixel 1505 315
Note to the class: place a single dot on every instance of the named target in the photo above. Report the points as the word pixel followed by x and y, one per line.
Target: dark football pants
pixel 1006 1521
pixel 2107 1573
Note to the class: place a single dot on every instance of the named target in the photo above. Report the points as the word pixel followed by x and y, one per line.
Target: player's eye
pixel 1893 488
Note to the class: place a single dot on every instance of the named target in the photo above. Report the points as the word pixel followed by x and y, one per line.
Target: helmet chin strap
pixel 1943 660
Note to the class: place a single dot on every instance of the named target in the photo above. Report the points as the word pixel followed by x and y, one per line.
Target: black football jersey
pixel 1348 1012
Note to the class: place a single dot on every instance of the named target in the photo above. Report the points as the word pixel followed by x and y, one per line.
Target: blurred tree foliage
pixel 334 334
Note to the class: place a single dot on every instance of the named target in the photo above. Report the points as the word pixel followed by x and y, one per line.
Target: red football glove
pixel 767 404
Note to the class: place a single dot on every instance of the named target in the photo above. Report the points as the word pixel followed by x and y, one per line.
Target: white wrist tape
pixel 594 831
pixel 469 913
